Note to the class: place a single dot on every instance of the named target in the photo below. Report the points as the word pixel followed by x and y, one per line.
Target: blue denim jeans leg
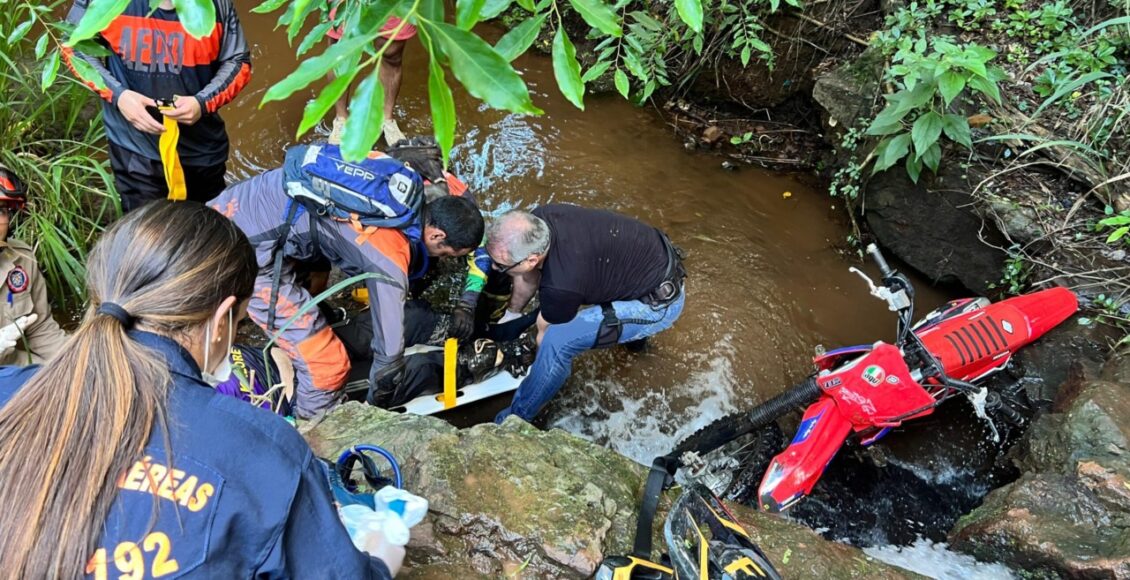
pixel 563 342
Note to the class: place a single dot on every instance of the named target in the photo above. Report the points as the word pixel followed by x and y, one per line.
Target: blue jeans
pixel 563 342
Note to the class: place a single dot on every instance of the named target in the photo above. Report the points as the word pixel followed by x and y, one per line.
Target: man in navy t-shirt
pixel 602 279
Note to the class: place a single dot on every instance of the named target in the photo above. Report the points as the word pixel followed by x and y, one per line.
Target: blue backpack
pixel 374 192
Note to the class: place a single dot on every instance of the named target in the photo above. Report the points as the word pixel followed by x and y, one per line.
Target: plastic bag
pixel 396 511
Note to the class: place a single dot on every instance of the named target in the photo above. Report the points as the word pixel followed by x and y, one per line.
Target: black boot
pixel 477 361
pixel 519 354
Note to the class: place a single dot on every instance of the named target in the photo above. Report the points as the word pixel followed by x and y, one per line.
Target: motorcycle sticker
pixel 893 379
pixel 874 375
pixel 1007 326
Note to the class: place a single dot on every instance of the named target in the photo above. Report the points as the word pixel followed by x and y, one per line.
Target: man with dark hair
pixel 448 227
pixel 151 57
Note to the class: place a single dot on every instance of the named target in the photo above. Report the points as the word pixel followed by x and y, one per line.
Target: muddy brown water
pixel 765 282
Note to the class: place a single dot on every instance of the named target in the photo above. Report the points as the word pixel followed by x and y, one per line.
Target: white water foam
pixel 937 561
pixel 642 428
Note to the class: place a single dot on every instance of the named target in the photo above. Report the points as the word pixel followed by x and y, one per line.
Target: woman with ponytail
pixel 116 458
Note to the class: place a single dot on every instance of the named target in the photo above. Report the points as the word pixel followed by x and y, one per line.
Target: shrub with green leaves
pixel 1119 223
pixel 922 110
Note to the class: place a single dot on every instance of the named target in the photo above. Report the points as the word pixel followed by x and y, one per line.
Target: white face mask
pixel 223 372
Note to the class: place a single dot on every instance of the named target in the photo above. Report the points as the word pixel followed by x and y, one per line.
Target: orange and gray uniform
pixel 259 207
pixel 25 292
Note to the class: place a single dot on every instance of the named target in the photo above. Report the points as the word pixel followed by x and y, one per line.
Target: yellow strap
pixel 450 348
pixel 170 160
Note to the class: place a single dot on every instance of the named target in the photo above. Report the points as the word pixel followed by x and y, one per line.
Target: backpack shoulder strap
pixel 293 208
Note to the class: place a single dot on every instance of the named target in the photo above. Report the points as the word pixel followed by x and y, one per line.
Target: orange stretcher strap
pixel 170 160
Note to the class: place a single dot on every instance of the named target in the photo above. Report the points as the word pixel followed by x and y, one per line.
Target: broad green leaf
pixel 528 5
pixel 922 94
pixel 889 151
pixel 597 69
pixel 99 14
pixel 302 10
pixel 467 13
pixel 431 10
pixel 443 107
pixel 492 8
pixel 913 167
pixel 1070 87
pixel 891 116
pixel 373 15
pixel 956 127
pixel 91 47
pixel 567 70
pixel 19 32
pixel 317 108
pixel 621 80
pixel 366 115
pixel 925 131
pixel 986 87
pixel 950 84
pixel 690 12
pixel 485 74
pixel 51 70
pixel 599 16
pixel 1117 234
pixel 313 37
pixel 520 38
pixel 198 17
pixel 86 73
pixel 1118 220
pixel 41 46
pixel 932 157
pixel 315 68
pixel 268 6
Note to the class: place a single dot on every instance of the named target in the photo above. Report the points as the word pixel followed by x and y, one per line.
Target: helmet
pixel 13 193
pixel 700 533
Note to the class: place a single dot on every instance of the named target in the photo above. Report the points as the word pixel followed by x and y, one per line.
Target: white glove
pixel 510 315
pixel 10 335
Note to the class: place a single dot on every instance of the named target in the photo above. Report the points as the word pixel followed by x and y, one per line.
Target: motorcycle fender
pixel 793 473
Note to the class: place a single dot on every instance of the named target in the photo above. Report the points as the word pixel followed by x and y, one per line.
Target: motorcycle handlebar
pixel 878 257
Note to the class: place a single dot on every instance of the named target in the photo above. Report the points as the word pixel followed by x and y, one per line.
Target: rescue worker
pixel 28 332
pixel 151 57
pixel 117 456
pixel 451 227
pixel 627 272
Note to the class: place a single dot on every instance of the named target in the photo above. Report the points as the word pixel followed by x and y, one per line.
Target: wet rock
pixel 847 93
pixel 1063 359
pixel 514 501
pixel 1069 514
pixel 712 134
pixel 932 227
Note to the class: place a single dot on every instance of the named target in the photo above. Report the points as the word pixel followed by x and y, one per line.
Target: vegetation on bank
pixel 51 136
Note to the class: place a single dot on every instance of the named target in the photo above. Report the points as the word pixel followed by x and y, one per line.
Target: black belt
pixel 672 285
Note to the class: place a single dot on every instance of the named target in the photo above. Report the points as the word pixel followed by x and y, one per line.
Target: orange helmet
pixel 13 193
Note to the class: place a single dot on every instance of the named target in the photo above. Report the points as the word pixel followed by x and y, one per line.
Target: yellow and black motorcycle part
pixel 705 542
pixel 632 568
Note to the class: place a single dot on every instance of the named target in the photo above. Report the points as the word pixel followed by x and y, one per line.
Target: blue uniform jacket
pixel 243 496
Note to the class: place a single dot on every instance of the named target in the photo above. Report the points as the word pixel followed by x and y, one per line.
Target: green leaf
pixel 890 150
pixel 597 69
pixel 621 80
pixel 926 130
pixel 932 157
pixel 599 16
pixel 41 46
pixel 51 70
pixel 198 17
pixel 1069 87
pixel 443 107
pixel 467 13
pixel 317 108
pixel 520 38
pixel 956 127
pixel 366 115
pixel 268 6
pixel 986 87
pixel 315 68
pixel 690 12
pixel 1118 220
pixel 20 31
pixel 86 72
pixel 302 10
pixel 313 37
pixel 485 74
pixel 890 117
pixel 99 14
pixel 91 47
pixel 1117 234
pixel 913 167
pixel 950 84
pixel 492 8
pixel 528 5
pixel 566 69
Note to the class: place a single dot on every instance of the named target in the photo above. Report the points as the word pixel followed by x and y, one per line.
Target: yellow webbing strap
pixel 170 159
pixel 450 349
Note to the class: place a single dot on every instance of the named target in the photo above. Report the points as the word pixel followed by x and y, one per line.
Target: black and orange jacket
pixel 151 53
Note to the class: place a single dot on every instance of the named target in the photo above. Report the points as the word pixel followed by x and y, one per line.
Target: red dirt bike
pixel 871 389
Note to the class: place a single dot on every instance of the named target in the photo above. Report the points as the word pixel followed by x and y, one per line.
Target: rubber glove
pixel 10 335
pixel 462 322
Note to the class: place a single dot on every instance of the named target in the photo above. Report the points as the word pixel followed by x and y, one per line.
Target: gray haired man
pixel 628 274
